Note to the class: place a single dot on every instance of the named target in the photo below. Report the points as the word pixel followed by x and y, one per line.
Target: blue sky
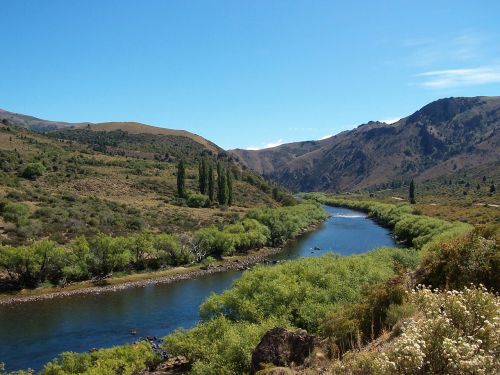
pixel 244 73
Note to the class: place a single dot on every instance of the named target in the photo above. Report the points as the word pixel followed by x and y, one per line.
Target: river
pixel 33 333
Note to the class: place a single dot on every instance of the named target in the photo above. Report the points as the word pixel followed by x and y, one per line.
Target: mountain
pixel 440 139
pixel 32 123
pixel 45 126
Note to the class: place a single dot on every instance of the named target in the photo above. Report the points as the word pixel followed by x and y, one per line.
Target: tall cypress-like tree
pixel 181 179
pixel 229 184
pixel 221 184
pixel 411 194
pixel 211 184
pixel 203 176
pixel 201 179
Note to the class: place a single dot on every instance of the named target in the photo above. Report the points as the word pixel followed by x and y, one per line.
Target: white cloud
pixel 391 120
pixel 326 136
pixel 268 145
pixel 461 77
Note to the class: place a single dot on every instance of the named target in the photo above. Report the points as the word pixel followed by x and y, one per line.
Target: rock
pixel 281 347
pixel 172 365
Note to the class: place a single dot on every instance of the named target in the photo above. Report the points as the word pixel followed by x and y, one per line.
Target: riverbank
pixel 137 280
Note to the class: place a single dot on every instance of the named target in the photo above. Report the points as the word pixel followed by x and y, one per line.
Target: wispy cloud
pixel 267 145
pixel 439 79
pixel 467 47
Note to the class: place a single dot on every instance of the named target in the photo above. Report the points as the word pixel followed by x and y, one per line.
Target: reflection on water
pixel 33 333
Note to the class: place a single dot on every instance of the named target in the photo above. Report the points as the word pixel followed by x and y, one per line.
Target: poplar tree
pixel 221 185
pixel 211 184
pixel 203 176
pixel 229 183
pixel 181 179
pixel 412 192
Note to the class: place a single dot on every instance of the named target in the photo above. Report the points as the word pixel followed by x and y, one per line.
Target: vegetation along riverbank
pixel 69 268
pixel 361 308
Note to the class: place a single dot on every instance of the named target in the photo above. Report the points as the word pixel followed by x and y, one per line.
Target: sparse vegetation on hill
pixel 59 189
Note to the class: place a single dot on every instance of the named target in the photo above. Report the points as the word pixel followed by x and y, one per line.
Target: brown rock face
pixel 281 347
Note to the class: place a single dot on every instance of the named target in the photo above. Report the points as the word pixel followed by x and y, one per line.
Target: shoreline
pixel 238 262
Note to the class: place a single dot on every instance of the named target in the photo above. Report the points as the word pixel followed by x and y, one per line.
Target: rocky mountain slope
pixel 440 139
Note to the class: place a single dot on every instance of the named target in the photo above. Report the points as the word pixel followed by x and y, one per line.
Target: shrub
pixel 33 170
pixel 219 346
pixel 124 360
pixel 215 242
pixel 16 213
pixel 456 333
pixel 197 200
pixel 457 262
pixel 168 251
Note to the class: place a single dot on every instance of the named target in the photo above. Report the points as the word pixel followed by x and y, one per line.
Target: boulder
pixel 281 347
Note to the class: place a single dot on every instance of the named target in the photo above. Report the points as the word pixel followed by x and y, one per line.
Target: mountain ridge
pixel 42 126
pixel 440 138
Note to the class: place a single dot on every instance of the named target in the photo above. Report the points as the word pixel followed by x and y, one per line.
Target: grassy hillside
pixel 72 182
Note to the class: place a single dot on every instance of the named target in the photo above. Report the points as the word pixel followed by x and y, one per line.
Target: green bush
pixel 218 346
pixel 33 170
pixel 124 360
pixel 197 200
pixel 17 213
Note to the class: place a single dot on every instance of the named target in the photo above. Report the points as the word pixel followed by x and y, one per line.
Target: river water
pixel 33 333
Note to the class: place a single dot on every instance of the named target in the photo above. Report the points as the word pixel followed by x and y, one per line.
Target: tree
pixel 211 184
pixel 201 180
pixel 203 176
pixel 412 192
pixel 229 181
pixel 181 179
pixel 222 190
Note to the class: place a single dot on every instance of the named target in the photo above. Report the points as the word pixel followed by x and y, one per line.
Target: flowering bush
pixel 454 332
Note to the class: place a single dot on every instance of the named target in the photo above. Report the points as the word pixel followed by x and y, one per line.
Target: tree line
pixel 97 257
pixel 207 185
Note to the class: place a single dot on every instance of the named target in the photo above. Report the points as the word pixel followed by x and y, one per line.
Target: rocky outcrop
pixel 281 347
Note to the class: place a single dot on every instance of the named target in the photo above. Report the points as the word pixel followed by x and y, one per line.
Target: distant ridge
pixel 442 138
pixel 43 126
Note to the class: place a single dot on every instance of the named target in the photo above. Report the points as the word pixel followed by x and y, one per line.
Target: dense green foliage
pixel 349 300
pixel 416 230
pixel 287 222
pixel 123 360
pixel 30 265
pixel 303 291
pixel 102 254
pixel 260 227
pixel 219 346
pixel 294 294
